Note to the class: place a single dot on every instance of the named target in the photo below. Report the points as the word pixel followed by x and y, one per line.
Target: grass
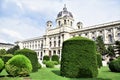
pixel 54 74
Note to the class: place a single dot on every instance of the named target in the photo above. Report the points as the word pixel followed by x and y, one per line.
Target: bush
pixel 44 61
pixel 99 60
pixel 114 65
pixel 78 57
pixel 55 62
pixel 55 58
pixel 6 57
pixel 31 55
pixel 46 58
pixel 49 64
pixel 39 66
pixel 1 64
pixel 18 65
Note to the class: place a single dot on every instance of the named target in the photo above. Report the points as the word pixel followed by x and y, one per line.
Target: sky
pixel 24 19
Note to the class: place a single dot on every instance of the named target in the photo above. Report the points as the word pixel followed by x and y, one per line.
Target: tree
pixel 100 45
pixel 12 50
pixel 117 47
pixel 110 51
pixel 2 51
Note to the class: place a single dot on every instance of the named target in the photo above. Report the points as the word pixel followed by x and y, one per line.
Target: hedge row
pixel 53 58
pixel 78 58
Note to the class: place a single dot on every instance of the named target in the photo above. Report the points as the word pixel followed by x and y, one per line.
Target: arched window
pixel 50 44
pixel 71 23
pixel 59 43
pixel 54 43
pixel 110 38
pixel 54 52
pixel 64 21
pixel 59 23
pixel 49 53
pixel 59 53
pixel 41 56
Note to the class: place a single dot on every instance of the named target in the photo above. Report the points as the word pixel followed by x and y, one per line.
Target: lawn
pixel 54 74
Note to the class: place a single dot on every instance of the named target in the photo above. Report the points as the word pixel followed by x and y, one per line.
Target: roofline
pixel 98 26
pixel 7 44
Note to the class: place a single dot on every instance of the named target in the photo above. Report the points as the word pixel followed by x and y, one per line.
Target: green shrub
pixel 99 60
pixel 114 65
pixel 46 57
pixel 78 58
pixel 49 64
pixel 6 57
pixel 55 62
pixel 31 55
pixel 44 61
pixel 1 64
pixel 39 66
pixel 18 65
pixel 55 58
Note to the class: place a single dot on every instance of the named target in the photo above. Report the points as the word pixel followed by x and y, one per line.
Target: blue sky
pixel 23 19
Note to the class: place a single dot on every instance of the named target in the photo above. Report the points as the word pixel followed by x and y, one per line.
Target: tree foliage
pixel 117 47
pixel 12 50
pixel 2 51
pixel 110 51
pixel 100 45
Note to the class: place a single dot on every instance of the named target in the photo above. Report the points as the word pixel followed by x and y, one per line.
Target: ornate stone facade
pixel 51 42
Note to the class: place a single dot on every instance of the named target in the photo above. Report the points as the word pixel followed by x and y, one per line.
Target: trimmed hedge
pixel 50 64
pixel 99 60
pixel 31 55
pixel 1 64
pixel 114 65
pixel 19 65
pixel 46 58
pixel 55 58
pixel 6 57
pixel 78 58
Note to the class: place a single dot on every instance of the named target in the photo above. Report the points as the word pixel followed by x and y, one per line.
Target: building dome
pixel 64 13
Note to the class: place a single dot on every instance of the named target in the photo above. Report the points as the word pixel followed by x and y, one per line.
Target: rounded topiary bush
pixel 114 65
pixel 31 55
pixel 1 64
pixel 50 64
pixel 78 56
pixel 99 60
pixel 46 58
pixel 55 58
pixel 19 65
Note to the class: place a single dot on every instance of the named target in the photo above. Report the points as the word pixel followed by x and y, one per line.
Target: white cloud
pixel 26 18
pixel 11 33
pixel 18 29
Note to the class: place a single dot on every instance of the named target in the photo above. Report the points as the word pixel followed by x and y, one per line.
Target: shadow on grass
pixel 5 76
pixel 57 72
